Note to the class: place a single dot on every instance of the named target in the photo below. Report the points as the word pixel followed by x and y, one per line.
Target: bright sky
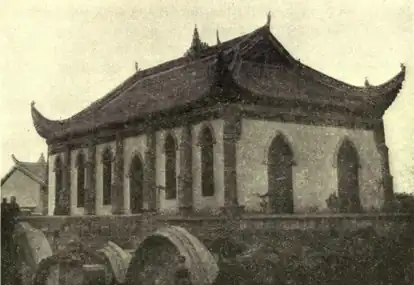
pixel 65 54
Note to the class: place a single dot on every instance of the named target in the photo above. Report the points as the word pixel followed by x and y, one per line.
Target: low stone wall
pixel 128 231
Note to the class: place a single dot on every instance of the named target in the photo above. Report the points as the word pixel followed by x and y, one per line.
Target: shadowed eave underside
pixel 188 79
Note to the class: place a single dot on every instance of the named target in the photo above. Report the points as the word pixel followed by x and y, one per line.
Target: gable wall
pixel 26 190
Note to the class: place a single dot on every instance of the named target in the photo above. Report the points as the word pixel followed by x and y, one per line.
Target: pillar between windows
pixel 63 208
pixel 117 191
pixel 90 197
pixel 231 136
pixel 185 190
pixel 150 189
pixel 387 179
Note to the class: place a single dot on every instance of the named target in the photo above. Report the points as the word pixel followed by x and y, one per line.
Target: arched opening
pixel 136 185
pixel 348 178
pixel 80 160
pixel 207 162
pixel 155 260
pixel 280 183
pixel 58 181
pixel 170 168
pixel 71 267
pixel 107 176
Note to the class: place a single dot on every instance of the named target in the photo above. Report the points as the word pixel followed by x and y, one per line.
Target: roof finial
pixel 402 67
pixel 196 43
pixel 269 19
pixel 32 104
pixel 136 66
pixel 367 84
pixel 218 38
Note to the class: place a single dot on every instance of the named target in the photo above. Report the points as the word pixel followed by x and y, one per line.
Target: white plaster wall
pixel 315 175
pixel 74 209
pixel 216 201
pixel 100 208
pixel 132 146
pixel 52 183
pixel 164 205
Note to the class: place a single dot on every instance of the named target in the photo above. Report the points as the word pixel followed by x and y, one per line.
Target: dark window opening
pixel 280 180
pixel 81 180
pixel 170 168
pixel 207 163
pixel 107 176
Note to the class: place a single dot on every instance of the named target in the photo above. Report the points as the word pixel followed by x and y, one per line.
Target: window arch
pixel 107 176
pixel 207 162
pixel 136 185
pixel 280 176
pixel 348 177
pixel 58 180
pixel 170 168
pixel 81 164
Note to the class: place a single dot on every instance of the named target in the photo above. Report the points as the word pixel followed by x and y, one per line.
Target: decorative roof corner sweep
pixel 43 125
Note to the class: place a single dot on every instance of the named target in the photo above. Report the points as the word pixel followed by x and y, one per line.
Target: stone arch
pixel 340 143
pixel 280 161
pixel 118 259
pixel 32 248
pixel 75 255
pixel 204 127
pixel 172 241
pixel 347 166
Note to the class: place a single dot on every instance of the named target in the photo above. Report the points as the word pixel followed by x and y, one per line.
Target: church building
pixel 237 126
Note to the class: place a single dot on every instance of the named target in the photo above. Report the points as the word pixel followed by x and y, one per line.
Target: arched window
pixel 80 161
pixel 207 162
pixel 58 180
pixel 107 176
pixel 136 185
pixel 170 168
pixel 348 178
pixel 280 181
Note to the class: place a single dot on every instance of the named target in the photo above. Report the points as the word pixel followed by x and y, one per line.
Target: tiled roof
pixel 185 80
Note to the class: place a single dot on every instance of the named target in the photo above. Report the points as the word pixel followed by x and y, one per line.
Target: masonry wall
pixel 137 146
pixel 315 153
pixel 52 183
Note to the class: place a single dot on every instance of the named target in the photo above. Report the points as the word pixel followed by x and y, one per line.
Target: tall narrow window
pixel 136 185
pixel 107 176
pixel 348 178
pixel 280 180
pixel 80 161
pixel 207 162
pixel 58 181
pixel 170 168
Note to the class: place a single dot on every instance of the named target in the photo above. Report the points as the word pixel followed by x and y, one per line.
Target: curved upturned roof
pixel 186 80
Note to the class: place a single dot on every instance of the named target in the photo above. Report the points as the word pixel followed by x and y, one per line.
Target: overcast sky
pixel 65 54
